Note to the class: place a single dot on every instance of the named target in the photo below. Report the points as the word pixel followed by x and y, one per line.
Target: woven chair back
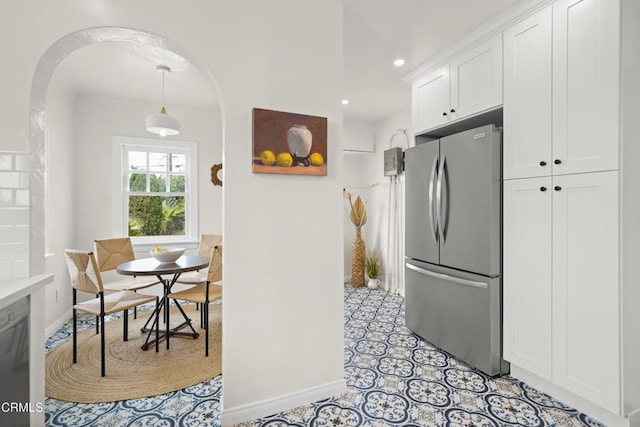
pixel 214 274
pixel 207 243
pixel 112 252
pixel 83 271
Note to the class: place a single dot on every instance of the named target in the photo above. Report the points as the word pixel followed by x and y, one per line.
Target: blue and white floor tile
pixel 394 378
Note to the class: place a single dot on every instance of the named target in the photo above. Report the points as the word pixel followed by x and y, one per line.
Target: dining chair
pixel 112 252
pixel 205 292
pixel 85 276
pixel 205 248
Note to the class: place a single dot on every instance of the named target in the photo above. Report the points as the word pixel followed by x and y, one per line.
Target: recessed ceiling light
pixel 398 62
pixel 345 101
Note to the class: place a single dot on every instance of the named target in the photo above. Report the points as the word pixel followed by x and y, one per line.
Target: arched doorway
pixel 37 111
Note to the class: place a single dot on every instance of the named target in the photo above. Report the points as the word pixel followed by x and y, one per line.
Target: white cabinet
pixel 431 100
pixel 470 83
pixel 586 76
pixel 527 274
pixel 561 246
pixel 527 134
pixel 561 94
pixel 586 333
pixel 561 282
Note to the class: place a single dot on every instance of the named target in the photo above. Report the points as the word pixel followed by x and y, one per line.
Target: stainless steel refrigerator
pixel 453 245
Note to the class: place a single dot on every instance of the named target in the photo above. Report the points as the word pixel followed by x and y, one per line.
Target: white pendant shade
pixel 162 123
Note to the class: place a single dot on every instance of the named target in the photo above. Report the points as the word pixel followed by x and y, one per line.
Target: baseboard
pixel 57 324
pixel 634 419
pixel 608 418
pixel 281 403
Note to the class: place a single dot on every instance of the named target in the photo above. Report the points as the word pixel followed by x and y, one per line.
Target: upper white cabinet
pixel 561 78
pixel 470 83
pixel 476 79
pixel 431 100
pixel 586 77
pixel 527 113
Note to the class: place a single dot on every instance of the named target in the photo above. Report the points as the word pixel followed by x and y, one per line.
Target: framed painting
pixel 289 143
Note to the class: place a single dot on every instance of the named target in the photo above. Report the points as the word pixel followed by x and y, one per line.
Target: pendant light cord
pixel 163 89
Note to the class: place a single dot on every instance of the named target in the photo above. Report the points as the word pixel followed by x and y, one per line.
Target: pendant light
pixel 162 123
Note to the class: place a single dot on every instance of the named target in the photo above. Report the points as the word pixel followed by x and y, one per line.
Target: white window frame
pixel 120 146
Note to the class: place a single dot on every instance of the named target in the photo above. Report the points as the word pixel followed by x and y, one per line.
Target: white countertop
pixel 12 290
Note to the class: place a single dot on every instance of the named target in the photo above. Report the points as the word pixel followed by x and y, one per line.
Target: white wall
pixel 282 318
pixel 96 120
pixel 61 212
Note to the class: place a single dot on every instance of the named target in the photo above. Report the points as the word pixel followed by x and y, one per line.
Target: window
pixel 155 192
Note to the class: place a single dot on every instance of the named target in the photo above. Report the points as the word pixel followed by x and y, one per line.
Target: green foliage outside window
pixel 156 215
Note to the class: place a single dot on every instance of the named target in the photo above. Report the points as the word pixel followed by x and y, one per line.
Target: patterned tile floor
pixel 394 378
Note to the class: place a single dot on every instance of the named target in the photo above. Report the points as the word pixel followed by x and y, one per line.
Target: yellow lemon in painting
pixel 285 160
pixel 316 159
pixel 267 157
pixel 157 249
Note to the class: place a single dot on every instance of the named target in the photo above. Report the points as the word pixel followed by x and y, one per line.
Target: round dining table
pixel 167 273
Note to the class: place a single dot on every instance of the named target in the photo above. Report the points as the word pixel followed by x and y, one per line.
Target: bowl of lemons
pixel 166 255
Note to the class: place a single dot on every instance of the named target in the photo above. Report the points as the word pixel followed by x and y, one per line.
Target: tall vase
pixel 357 259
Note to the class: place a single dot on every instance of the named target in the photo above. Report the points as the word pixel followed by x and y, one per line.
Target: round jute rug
pixel 131 372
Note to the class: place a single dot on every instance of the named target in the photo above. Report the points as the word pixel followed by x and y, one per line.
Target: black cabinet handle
pixel 543 188
pixel 557 161
pixel 444 113
pixel 453 110
pixel 557 188
pixel 543 163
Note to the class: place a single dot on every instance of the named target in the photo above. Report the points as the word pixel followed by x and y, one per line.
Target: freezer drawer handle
pixel 447 277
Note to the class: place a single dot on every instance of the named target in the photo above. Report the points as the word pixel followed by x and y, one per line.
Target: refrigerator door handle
pixel 439 199
pixel 433 226
pixel 446 277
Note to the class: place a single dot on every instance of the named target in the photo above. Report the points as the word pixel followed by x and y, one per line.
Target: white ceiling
pixel 375 33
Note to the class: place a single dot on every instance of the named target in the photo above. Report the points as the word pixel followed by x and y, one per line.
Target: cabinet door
pixel 527 98
pixel 585 287
pixel 527 274
pixel 586 58
pixel 430 100
pixel 476 79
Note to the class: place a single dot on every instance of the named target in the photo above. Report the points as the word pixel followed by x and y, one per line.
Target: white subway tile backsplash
pixel 6 233
pixel 14 216
pixel 6 270
pixel 6 197
pixel 6 162
pixel 14 251
pixel 21 233
pixel 10 179
pixel 21 268
pixel 22 198
pixel 22 162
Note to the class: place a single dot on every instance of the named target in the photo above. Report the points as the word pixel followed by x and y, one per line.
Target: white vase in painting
pixel 373 283
pixel 299 139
